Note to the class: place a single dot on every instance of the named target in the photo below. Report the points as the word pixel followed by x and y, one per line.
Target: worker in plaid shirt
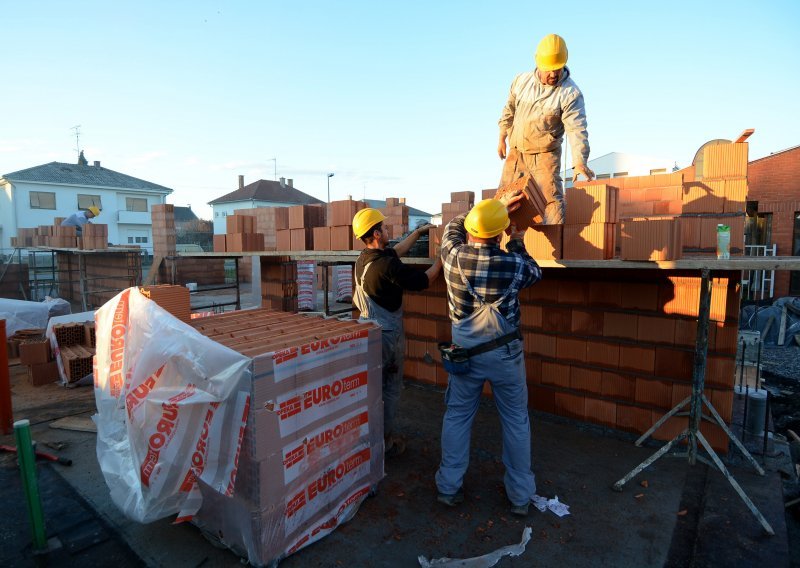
pixel 483 285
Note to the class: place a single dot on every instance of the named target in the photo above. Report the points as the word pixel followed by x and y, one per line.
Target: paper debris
pixel 540 503
pixel 543 504
pixel 485 561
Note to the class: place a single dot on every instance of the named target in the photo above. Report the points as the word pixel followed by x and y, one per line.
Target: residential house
pixel 261 193
pixel 35 196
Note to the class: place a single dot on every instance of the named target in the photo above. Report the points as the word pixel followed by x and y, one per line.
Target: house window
pixel 141 240
pixel 216 214
pixel 136 204
pixel 794 278
pixel 658 171
pixel 620 174
pixel 86 201
pixel 130 240
pixel 603 176
pixel 43 200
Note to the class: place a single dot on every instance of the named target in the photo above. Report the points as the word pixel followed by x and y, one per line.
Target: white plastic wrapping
pixel 172 407
pixel 21 314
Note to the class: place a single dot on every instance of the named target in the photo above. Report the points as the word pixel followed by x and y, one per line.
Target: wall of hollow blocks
pixel 610 347
pixel 202 271
pixel 14 281
pixel 106 275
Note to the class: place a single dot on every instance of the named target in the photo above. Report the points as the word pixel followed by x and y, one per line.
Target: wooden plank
pixel 76 423
pixel 744 135
pixel 782 328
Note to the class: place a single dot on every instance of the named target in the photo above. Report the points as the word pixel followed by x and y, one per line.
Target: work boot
pixel 520 510
pixel 451 500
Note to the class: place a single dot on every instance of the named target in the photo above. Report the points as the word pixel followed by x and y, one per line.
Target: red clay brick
pixel 586 380
pixel 620 325
pixel 685 332
pixel 640 359
pixel 605 294
pixel 542 399
pixel 726 338
pixel 531 316
pixel 654 392
pixel 633 418
pixel 570 405
pixel 654 329
pixel 618 386
pixel 639 296
pixel 601 412
pixel 722 401
pixel 679 392
pixel 673 426
pixel 573 292
pixel 674 363
pixel 544 291
pixel 533 369
pixel 720 371
pixel 557 320
pixel 587 322
pixel 555 374
pixel 602 354
pixel 540 344
pixel 571 349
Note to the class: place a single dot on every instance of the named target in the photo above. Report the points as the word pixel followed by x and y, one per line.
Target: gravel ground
pixel 782 361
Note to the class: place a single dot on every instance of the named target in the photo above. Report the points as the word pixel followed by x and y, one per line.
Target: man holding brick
pixel 483 285
pixel 380 278
pixel 542 105
pixel 80 218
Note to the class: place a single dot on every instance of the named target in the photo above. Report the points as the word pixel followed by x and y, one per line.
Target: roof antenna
pixel 77 129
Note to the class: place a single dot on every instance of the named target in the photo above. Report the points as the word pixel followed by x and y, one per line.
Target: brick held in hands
pixel 532 206
pixel 591 204
pixel 220 243
pixel 650 239
pixel 594 241
pixel 34 351
pixel 544 241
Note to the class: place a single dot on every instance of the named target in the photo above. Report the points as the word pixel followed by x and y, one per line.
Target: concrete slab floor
pixel 642 526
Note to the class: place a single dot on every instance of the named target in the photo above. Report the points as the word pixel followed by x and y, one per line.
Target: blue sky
pixel 395 98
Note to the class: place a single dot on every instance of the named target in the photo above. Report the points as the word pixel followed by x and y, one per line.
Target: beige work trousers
pixel 545 170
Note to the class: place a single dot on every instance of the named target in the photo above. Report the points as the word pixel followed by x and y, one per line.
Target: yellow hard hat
pixel 551 54
pixel 487 219
pixel 95 210
pixel 364 220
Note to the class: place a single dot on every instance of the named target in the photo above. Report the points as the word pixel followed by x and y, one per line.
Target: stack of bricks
pixel 337 234
pixel 396 212
pixel 106 273
pixel 240 235
pixel 164 238
pixel 20 336
pixel 173 299
pixel 25 238
pixel 62 237
pixel 590 223
pixel 460 202
pixel 34 351
pixel 76 349
pixel 300 234
pixel 268 220
pixel 205 271
pixel 279 284
pixel 95 237
pixel 531 208
pixel 613 347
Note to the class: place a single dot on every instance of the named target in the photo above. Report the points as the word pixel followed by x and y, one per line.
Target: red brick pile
pixel 337 234
pixel 279 284
pixel 611 347
pixel 76 346
pixel 300 234
pixel 95 236
pixel 163 221
pixel 174 299
pixel 34 351
pixel 267 221
pixel 396 212
pixel 240 235
pixel 106 273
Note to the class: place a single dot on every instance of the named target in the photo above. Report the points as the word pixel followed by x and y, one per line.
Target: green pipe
pixel 27 466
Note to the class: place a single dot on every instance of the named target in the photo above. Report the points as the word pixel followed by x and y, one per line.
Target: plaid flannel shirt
pixel 490 270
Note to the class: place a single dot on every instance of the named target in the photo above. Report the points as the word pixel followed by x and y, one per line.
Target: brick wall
pixel 611 347
pixel 775 185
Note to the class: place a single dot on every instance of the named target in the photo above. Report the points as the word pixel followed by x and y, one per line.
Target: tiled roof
pixel 74 174
pixel 264 190
pixel 183 214
pixel 378 203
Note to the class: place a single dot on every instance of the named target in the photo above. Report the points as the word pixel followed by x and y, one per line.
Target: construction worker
pixel 380 278
pixel 542 104
pixel 483 286
pixel 80 218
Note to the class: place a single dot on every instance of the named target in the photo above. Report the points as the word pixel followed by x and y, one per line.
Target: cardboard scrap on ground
pixel 485 561
pixel 557 507
pixel 77 423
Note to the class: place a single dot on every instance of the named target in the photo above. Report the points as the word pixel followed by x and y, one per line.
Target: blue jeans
pixel 504 368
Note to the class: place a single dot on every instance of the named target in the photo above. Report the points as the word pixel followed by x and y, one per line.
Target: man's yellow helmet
pixel 551 54
pixel 364 220
pixel 95 210
pixel 487 219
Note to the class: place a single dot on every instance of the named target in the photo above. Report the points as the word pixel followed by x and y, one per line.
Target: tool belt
pixel 456 358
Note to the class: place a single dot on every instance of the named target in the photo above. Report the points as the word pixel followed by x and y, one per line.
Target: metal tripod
pixel 696 401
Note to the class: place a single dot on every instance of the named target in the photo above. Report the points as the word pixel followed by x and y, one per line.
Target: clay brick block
pixel 674 363
pixel 735 195
pixel 726 338
pixel 542 399
pixel 322 238
pixel 614 385
pixel 601 412
pixel 533 370
pixel 591 204
pixel 594 241
pixel 639 296
pixel 555 374
pixel 620 325
pixel 673 426
pixel 585 380
pixel 219 243
pixel 721 161
pixel 342 238
pixel 436 306
pixel 43 373
pixel 556 320
pixel 640 359
pixel 707 196
pixel 602 354
pixel 435 241
pixel 488 193
pixel 605 294
pixel 570 405
pixel 654 392
pixel 690 232
pixel 539 344
pixel 414 303
pixel 633 418
pixel 571 349
pixel 306 216
pixel 239 224
pixel 587 322
pixel 653 329
pixel 544 242
pixel 708 233
pixel 342 212
pixel 283 239
pixel 543 291
pixel 301 239
pixel 679 393
pixel 573 292
pixel 531 316
pixel 34 351
pixel 532 207
pixel 722 401
pixel 465 196
pixel 720 371
pixel 650 239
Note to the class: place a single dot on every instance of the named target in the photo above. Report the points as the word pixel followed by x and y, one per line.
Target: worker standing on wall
pixel 380 278
pixel 542 104
pixel 483 285
pixel 80 218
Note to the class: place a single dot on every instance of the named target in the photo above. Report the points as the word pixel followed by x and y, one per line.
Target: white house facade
pixel 35 196
pixel 620 164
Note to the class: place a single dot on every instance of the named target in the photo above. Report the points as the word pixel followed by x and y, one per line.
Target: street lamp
pixel 329 187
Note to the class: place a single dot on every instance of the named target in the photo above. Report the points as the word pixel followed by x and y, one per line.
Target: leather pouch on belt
pixel 454 358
